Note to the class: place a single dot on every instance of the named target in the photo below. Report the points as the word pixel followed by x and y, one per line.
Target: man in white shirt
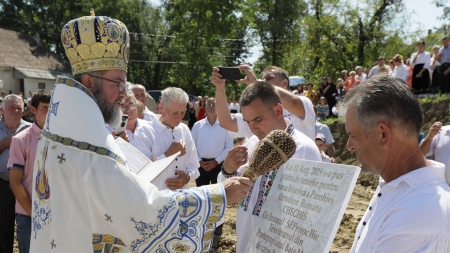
pixel 234 106
pixel 141 95
pixel 199 98
pixel 410 208
pixel 168 137
pixel 296 109
pixel 262 110
pixel 437 144
pixel 213 143
pixel 360 74
pixel 137 131
pixel 381 62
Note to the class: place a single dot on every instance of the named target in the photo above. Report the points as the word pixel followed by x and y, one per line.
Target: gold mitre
pixel 94 43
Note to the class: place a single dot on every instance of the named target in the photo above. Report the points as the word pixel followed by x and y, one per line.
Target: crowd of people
pixel 424 72
pixel 66 183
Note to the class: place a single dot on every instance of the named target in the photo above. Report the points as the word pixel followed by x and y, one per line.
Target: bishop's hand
pixel 236 188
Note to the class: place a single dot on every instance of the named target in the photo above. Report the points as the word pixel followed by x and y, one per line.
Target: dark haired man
pixel 262 111
pixel 297 109
pixel 381 62
pixel 21 163
pixel 410 208
pixel 444 58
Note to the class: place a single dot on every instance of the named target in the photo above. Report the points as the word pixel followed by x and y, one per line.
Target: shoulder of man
pixel 306 147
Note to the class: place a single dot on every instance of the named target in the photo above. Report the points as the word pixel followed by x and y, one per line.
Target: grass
pixel 433 99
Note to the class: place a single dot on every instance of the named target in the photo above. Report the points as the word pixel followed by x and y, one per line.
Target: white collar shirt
pixel 212 141
pixel 234 106
pixel 408 214
pixel 401 72
pixel 423 58
pixel 375 69
pixel 160 140
pixel 362 77
pixel 140 139
pixel 440 149
pixel 248 211
pixel 149 115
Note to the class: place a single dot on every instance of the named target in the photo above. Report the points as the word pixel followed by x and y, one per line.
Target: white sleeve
pixel 243 128
pixel 192 162
pixel 194 133
pixel 149 207
pixel 228 145
pixel 411 60
pixel 427 61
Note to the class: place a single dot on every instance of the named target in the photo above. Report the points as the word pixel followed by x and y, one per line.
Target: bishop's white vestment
pixel 85 199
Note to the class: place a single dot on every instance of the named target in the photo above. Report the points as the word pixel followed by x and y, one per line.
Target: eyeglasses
pixel 121 85
pixel 131 107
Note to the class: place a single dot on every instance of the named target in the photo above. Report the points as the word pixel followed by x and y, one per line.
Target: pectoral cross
pixel 108 218
pixel 53 244
pixel 61 158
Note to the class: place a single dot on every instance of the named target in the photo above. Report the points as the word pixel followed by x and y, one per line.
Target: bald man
pixel 141 95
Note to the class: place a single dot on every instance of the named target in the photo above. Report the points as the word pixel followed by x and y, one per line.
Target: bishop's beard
pixel 111 115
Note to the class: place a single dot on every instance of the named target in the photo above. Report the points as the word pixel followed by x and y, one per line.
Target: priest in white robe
pixel 85 199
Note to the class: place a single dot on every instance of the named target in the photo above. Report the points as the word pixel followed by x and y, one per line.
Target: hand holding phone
pixel 230 73
pixel 122 127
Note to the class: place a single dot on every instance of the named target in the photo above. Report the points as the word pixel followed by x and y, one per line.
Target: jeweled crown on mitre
pixel 94 43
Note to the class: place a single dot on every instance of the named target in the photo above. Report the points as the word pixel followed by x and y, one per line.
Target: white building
pixel 27 66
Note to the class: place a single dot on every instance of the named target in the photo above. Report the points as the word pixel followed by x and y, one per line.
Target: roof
pixel 22 73
pixel 22 51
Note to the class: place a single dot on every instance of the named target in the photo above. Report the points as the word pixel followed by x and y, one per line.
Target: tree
pixel 336 35
pixel 200 27
pixel 276 24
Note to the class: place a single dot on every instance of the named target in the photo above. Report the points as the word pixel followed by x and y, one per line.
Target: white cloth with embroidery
pixel 85 199
pixel 248 209
pixel 408 214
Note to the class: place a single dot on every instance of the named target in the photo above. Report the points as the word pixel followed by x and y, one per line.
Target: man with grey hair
pixel 141 95
pixel 360 75
pixel 10 125
pixel 444 58
pixel 409 210
pixel 137 130
pixel 168 137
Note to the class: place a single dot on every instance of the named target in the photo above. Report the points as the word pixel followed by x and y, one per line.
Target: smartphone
pixel 122 126
pixel 230 73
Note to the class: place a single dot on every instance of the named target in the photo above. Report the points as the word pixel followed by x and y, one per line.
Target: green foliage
pixel 178 43
pixel 201 27
pixel 276 22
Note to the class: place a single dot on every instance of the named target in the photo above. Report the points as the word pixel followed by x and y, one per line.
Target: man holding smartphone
pixel 297 109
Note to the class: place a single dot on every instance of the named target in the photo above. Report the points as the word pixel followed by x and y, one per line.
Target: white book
pixel 140 164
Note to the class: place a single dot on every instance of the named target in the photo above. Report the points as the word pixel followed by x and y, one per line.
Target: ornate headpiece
pixel 94 43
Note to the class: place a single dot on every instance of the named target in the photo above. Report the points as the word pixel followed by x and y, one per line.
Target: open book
pixel 140 164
